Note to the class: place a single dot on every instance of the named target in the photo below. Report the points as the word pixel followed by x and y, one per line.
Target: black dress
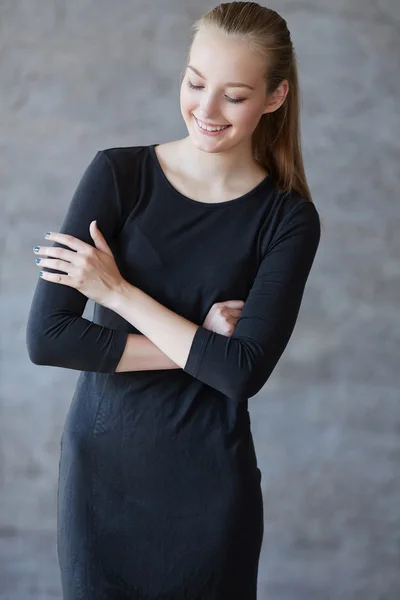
pixel 159 488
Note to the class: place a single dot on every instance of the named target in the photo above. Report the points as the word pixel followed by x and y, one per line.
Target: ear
pixel 277 98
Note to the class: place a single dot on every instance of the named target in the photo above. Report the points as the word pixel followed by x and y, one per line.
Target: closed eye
pixel 199 87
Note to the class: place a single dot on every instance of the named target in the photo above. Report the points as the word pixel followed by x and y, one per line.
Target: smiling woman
pixel 159 492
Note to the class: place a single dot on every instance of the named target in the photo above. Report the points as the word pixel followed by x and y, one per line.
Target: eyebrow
pixel 241 85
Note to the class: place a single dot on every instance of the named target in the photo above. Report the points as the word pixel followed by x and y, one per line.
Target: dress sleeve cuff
pixel 199 343
pixel 114 356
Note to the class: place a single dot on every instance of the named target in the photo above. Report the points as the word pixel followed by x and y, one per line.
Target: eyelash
pixel 198 87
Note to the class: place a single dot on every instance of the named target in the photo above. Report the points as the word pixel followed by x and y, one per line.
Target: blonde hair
pixel 276 143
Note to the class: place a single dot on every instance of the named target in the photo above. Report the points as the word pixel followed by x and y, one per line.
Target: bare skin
pixel 169 156
pixel 141 354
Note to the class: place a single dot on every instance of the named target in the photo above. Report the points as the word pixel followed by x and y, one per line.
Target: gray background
pixel 83 75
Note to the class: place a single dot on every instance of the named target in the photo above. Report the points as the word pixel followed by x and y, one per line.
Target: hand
pixel 223 316
pixel 91 271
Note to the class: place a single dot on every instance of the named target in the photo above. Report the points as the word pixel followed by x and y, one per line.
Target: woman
pixel 196 253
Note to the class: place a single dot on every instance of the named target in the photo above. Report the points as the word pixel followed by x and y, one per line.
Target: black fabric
pixel 159 488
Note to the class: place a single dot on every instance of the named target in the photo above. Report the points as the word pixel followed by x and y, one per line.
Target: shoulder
pixel 125 159
pixel 292 210
pixel 294 217
pixel 292 206
pixel 123 168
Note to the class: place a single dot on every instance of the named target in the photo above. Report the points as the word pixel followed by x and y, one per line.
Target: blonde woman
pixel 196 253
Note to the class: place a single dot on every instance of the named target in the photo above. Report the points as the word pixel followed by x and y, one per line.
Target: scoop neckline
pixel 222 204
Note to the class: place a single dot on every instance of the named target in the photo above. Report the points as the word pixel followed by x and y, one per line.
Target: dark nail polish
pixel 37 260
pixel 36 249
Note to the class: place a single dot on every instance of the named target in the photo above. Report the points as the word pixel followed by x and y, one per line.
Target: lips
pixel 208 125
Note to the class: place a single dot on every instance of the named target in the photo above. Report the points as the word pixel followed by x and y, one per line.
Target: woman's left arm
pixel 239 365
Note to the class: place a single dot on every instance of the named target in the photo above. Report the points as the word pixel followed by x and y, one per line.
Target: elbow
pixel 39 356
pixel 256 366
pixel 38 351
pixel 240 386
pixel 239 378
pixel 39 346
pixel 253 384
pixel 250 384
pixel 37 359
pixel 250 380
pixel 46 339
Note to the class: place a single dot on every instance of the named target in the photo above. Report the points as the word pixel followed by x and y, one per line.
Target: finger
pixel 54 263
pixel 233 303
pixel 54 251
pixel 56 278
pixel 235 312
pixel 68 240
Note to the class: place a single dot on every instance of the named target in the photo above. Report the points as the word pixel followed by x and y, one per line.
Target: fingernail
pixel 47 234
pixel 37 260
pixel 40 273
pixel 36 249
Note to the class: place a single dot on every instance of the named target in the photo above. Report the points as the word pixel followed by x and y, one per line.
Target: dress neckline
pixel 225 203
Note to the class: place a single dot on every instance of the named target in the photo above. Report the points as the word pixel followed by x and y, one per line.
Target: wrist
pixel 120 296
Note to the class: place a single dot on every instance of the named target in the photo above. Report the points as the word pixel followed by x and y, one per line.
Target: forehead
pixel 216 55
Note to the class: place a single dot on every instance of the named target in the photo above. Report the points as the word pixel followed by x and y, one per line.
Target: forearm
pixel 140 354
pixel 172 334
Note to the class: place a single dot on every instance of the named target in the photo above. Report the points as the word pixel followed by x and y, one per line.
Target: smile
pixel 210 130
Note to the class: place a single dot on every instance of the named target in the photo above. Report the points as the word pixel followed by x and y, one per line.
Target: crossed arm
pixel 237 366
pixel 140 354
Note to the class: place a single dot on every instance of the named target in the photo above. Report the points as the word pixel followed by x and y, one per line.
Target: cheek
pixel 248 117
pixel 187 101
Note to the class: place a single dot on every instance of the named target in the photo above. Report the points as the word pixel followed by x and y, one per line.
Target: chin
pixel 207 145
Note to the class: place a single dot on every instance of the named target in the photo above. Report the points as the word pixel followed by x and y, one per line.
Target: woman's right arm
pixel 140 354
pixel 56 333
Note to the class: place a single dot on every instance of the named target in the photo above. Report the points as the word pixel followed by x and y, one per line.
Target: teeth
pixel 209 128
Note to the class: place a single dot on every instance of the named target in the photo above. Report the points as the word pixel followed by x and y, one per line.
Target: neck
pixel 217 167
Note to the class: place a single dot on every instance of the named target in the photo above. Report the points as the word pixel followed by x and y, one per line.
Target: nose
pixel 209 108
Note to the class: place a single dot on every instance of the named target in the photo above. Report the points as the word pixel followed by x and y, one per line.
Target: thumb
pixel 98 238
pixel 233 303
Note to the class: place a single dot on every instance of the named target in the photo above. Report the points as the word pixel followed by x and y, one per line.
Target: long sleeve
pixel 239 366
pixel 56 333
